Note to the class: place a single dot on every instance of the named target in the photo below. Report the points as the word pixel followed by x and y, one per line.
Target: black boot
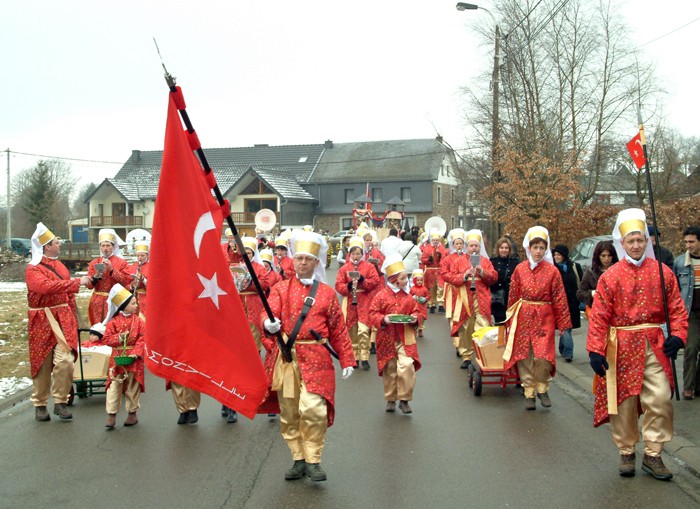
pixel 224 411
pixel 183 418
pixel 315 472
pixel 232 417
pixel 297 471
pixel 192 416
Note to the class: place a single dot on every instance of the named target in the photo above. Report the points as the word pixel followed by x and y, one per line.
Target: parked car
pixel 336 239
pixel 583 251
pixel 20 246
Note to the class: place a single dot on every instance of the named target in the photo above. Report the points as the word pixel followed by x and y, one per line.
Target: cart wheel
pixel 80 390
pixel 477 383
pixel 71 396
pixel 470 376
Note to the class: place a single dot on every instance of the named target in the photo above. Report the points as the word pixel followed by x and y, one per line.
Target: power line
pixel 65 158
pixel 669 33
pixel 521 21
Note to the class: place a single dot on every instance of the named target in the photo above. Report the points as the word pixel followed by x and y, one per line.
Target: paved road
pixel 455 450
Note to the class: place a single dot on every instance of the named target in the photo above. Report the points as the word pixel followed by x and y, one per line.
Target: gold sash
pixel 409 335
pixel 514 311
pixel 462 298
pixel 60 338
pixel 284 372
pixel 448 300
pixel 611 356
pixel 104 294
pixel 344 305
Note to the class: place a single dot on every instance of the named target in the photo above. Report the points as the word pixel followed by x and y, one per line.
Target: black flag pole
pixel 658 242
pixel 225 206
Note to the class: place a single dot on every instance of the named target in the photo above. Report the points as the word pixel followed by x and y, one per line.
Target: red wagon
pixel 487 368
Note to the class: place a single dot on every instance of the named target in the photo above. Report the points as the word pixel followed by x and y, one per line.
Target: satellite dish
pixel 146 210
pixel 265 220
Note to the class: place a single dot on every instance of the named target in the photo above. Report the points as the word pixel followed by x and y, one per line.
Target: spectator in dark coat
pixel 505 264
pixel 665 254
pixel 604 256
pixel 571 274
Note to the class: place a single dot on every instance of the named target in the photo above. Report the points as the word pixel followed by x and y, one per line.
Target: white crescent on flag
pixel 205 223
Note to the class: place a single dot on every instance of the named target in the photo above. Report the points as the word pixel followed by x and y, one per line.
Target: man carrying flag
pixel 307 313
pixel 190 339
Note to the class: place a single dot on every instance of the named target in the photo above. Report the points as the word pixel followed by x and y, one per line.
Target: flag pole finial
pixel 169 78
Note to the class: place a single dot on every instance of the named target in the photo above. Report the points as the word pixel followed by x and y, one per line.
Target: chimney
pixel 135 156
pixel 329 144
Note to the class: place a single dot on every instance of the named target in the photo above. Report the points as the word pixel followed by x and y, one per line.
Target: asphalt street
pixel 454 450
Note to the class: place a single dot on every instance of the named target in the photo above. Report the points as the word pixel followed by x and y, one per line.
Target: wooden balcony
pixel 245 217
pixel 112 221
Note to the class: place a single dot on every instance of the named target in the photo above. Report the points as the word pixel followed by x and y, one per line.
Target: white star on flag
pixel 211 289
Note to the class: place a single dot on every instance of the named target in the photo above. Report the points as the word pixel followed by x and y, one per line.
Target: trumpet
pixel 355 275
pixel 279 266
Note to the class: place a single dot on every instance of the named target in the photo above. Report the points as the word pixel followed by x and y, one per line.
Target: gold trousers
pixel 186 399
pixel 303 420
pixel 130 388
pixel 657 412
pixel 58 363
pixel 534 375
pixel 399 376
pixel 437 295
pixel 463 341
pixel 359 334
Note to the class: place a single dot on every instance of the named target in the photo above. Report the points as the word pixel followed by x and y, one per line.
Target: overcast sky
pixel 82 79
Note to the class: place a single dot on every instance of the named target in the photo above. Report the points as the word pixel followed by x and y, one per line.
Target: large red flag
pixel 197 331
pixel 636 151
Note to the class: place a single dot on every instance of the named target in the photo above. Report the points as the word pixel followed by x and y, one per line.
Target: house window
pixel 100 209
pixel 129 209
pixel 376 194
pixel 453 197
pixel 349 198
pixel 406 194
pixel 346 223
pixel 254 205
pixel 439 195
pixel 257 187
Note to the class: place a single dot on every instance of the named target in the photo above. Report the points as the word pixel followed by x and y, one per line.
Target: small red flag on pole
pixel 197 330
pixel 634 146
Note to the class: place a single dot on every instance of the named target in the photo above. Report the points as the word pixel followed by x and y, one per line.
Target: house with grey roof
pixel 303 184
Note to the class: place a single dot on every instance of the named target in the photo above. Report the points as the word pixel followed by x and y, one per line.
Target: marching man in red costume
pixel 140 269
pixel 116 270
pixel 357 296
pixel 53 324
pixel 268 259
pixel 537 306
pixel 471 292
pixel 433 254
pixel 305 387
pixel 283 262
pixel 126 334
pixel 230 249
pixel 628 351
pixel 421 295
pixel 397 352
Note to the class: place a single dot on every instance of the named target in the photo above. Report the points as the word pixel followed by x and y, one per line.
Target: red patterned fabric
pixel 285 267
pixel 272 278
pixel 421 291
pixel 366 289
pixel 121 273
pixel 432 269
pixel 387 302
pixel 376 254
pixel 452 271
pixel 629 295
pixel 136 330
pixel 249 297
pixel 537 323
pixel 315 362
pixel 141 289
pixel 46 289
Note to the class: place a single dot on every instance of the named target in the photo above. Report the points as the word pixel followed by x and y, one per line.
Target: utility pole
pixel 9 209
pixel 495 129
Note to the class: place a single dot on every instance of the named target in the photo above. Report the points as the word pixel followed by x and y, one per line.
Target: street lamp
pixel 495 130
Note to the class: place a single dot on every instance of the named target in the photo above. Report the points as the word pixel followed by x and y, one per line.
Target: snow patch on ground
pixel 13 287
pixel 12 385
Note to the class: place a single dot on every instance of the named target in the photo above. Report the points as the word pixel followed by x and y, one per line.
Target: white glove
pixel 272 327
pixel 347 372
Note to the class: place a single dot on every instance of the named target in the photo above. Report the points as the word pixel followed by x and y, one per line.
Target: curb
pixel 15 399
pixel 684 452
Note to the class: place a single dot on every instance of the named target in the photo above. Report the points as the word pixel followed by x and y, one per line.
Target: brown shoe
pixel 111 421
pixel 405 407
pixel 420 333
pixel 391 406
pixel 544 399
pixel 41 414
pixel 61 409
pixel 530 404
pixel 131 419
pixel 688 395
pixel 627 465
pixel 654 466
